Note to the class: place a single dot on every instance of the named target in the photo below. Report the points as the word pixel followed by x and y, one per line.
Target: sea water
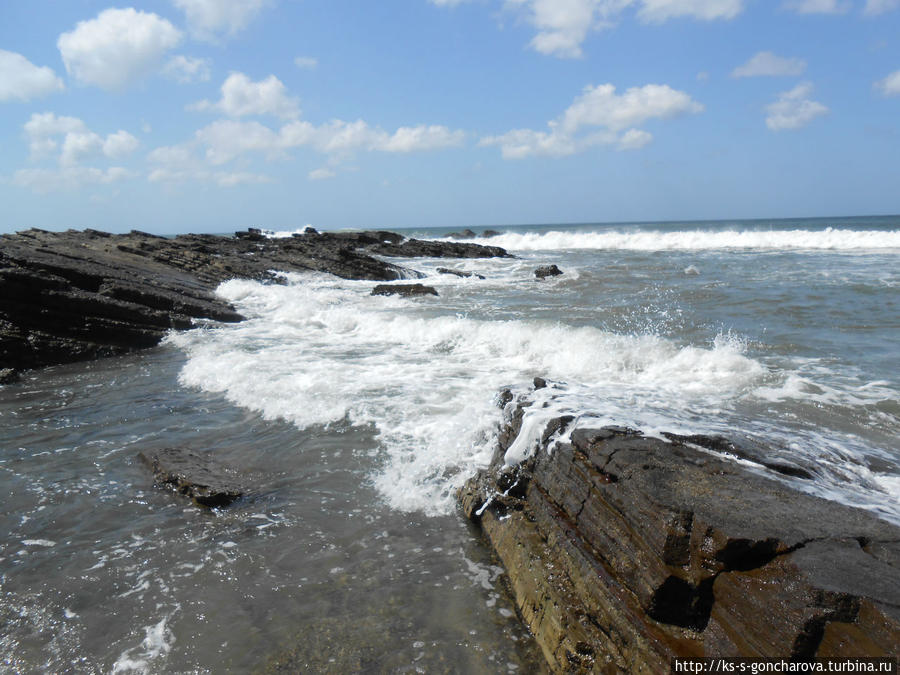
pixel 361 415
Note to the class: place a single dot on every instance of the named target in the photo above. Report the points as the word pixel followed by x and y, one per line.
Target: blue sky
pixel 217 115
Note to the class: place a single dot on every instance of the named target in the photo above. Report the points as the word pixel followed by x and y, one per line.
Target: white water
pixel 699 240
pixel 318 351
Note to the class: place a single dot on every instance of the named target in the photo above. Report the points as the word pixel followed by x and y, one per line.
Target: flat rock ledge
pixel 624 551
pixel 194 475
pixel 78 295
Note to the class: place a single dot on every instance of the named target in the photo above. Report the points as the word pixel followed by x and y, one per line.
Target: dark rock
pixel 465 234
pixel 310 230
pixel 490 233
pixel 625 551
pixel 539 383
pixel 547 271
pixel 194 475
pixel 70 296
pixel 405 290
pixel 9 376
pixel 458 273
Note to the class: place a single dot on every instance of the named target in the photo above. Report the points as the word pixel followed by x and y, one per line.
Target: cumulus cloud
pixel 890 86
pixel 599 116
pixel 767 64
pixel 241 96
pixel 563 25
pixel 657 11
pixel 818 6
pixel 224 141
pixel 47 133
pixel 187 69
pixel 794 109
pixel 876 7
pixel 117 47
pixel 68 178
pixel 212 19
pixel 21 80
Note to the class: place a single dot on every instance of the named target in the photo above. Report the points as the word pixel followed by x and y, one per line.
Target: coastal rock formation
pixel 547 271
pixel 195 476
pixel 70 296
pixel 463 274
pixel 624 551
pixel 404 290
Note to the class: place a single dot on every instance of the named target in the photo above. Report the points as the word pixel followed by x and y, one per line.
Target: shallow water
pixel 357 417
pixel 102 572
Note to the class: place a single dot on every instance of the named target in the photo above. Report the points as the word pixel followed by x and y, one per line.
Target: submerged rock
pixel 624 551
pixel 194 475
pixel 9 376
pixel 405 290
pixel 547 271
pixel 458 273
pixel 465 234
pixel 490 233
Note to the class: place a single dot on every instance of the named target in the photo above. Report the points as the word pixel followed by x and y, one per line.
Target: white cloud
pixel 421 138
pixel 634 139
pixel 794 109
pixel 210 19
pixel 21 80
pixel 767 64
pixel 563 25
pixel 447 3
pixel 876 7
pixel 818 6
pixel 68 178
pixel 227 139
pixel 605 115
pixel 179 164
pixel 306 62
pixel 187 69
pixel 77 142
pixel 324 172
pixel 241 96
pixel 657 11
pixel 117 47
pixel 890 86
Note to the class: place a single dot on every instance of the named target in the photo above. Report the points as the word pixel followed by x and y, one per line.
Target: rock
pixel 547 271
pixel 465 234
pixel 9 376
pixel 458 273
pixel 405 290
pixel 70 296
pixel 194 475
pixel 539 383
pixel 310 230
pixel 490 233
pixel 624 551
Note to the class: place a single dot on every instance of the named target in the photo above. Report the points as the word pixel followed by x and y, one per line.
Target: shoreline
pixel 683 570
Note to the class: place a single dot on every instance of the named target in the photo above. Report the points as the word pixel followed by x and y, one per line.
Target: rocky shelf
pixel 624 551
pixel 77 295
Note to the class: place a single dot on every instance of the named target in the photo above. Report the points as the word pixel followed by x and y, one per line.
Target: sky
pixel 216 115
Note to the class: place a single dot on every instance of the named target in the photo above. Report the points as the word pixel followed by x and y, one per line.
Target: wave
pixel 323 351
pixel 829 239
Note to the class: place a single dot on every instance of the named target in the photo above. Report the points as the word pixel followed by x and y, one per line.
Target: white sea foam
pixel 699 240
pixel 323 350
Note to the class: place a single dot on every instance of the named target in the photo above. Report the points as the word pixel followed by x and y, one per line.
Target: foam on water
pixel 320 351
pixel 698 240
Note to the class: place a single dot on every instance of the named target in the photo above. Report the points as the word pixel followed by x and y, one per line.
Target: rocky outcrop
pixel 547 271
pixel 70 296
pixel 463 274
pixel 624 551
pixel 194 475
pixel 404 290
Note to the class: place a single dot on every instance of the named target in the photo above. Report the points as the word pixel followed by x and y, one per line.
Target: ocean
pixel 359 416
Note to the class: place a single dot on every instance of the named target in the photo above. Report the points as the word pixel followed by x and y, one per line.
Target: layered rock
pixel 624 551
pixel 70 296
pixel 196 476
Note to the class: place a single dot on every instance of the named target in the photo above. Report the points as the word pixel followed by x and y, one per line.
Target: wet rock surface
pixel 547 271
pixel 624 551
pixel 77 295
pixel 195 475
pixel 463 274
pixel 404 290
